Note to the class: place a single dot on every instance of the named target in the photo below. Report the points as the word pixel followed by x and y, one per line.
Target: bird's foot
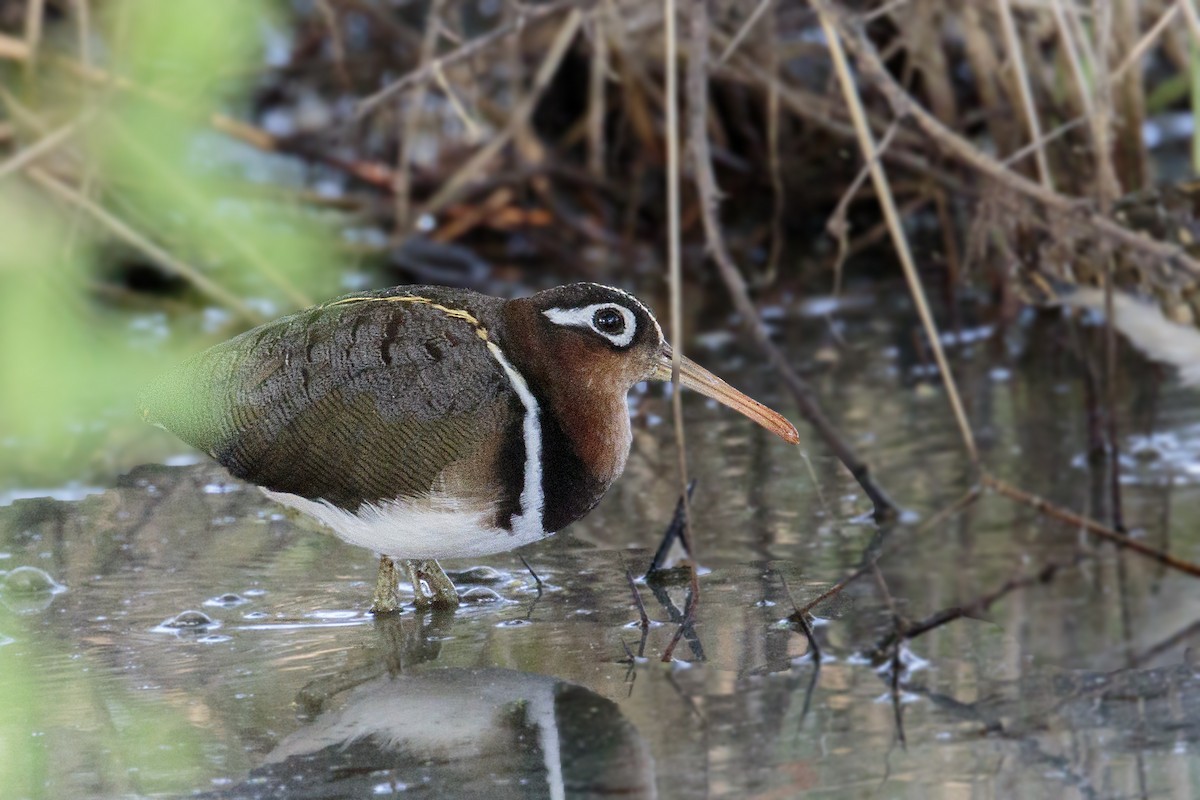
pixel 428 574
pixel 384 600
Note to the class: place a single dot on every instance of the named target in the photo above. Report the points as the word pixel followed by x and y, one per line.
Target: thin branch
pixel 456 184
pixel 529 13
pixel 41 147
pixel 1145 43
pixel 1026 91
pixel 402 183
pixel 34 13
pixel 972 609
pixel 955 145
pixel 644 618
pixel 736 41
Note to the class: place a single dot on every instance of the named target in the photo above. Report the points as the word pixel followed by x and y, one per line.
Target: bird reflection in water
pixel 461 733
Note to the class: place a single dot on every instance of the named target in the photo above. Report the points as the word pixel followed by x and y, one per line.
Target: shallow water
pixel 283 686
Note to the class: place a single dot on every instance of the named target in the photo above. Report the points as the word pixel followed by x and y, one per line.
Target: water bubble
pixel 28 581
pixel 513 623
pixel 227 600
pixel 480 595
pixel 188 622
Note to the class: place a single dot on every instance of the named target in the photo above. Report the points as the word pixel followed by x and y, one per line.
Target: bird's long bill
pixel 695 377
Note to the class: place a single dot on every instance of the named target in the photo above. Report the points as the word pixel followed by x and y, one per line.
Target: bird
pixel 427 422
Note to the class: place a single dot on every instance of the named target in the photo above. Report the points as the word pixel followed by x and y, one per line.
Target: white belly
pixel 428 528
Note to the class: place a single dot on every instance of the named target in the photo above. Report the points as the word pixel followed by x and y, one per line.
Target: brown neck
pixel 580 389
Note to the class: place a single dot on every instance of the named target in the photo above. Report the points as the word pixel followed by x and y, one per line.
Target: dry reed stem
pixel 921 36
pixel 473 132
pixel 736 41
pixel 249 134
pixel 837 225
pixel 1193 18
pixel 127 234
pixel 13 49
pixel 457 183
pixel 735 284
pixel 1017 54
pixel 1193 52
pixel 1109 187
pixel 1038 144
pixel 528 13
pixel 675 274
pixel 1129 99
pixel 955 145
pixel 401 180
pixel 774 165
pixel 985 65
pixel 41 147
pixel 83 26
pixel 1074 59
pixel 887 201
pixel 191 198
pixel 1148 40
pixel 597 90
pixel 34 11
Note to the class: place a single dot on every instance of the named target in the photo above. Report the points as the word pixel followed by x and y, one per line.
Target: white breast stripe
pixel 529 522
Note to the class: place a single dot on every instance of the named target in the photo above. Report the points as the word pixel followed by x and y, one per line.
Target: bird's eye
pixel 614 322
pixel 609 320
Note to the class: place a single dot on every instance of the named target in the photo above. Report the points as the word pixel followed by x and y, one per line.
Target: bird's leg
pixel 442 594
pixel 385 601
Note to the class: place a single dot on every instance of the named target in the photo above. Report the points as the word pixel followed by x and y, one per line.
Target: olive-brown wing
pixel 351 402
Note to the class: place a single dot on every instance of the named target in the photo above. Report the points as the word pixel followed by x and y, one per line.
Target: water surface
pixel 280 684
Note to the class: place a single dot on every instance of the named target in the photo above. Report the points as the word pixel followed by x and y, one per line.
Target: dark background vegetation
pixel 172 173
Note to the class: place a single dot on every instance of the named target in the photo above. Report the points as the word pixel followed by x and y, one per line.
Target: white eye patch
pixel 613 321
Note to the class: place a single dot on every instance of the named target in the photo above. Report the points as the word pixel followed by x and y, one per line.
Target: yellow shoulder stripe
pixel 457 313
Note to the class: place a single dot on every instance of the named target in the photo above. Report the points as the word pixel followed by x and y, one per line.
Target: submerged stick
pixel 673 532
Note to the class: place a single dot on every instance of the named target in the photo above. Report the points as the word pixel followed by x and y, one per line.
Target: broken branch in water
pixel 1091 526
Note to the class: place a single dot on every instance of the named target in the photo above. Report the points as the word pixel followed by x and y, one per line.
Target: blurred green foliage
pixel 146 154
